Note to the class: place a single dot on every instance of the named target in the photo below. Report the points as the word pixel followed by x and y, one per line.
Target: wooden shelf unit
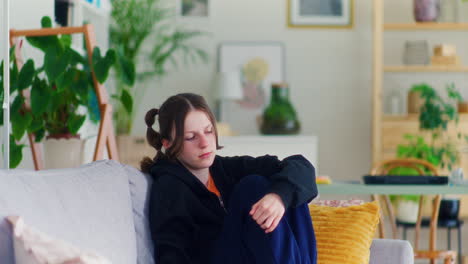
pixel 424 68
pixel 388 131
pixel 379 69
pixel 425 26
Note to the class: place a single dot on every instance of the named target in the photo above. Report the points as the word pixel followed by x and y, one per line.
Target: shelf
pixel 425 68
pixel 426 26
pixel 463 117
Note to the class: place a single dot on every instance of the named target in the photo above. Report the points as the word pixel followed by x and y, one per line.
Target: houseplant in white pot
pixel 440 150
pixel 61 97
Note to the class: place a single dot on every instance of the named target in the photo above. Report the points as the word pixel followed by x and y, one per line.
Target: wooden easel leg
pixel 103 133
pixel 36 153
pixel 112 144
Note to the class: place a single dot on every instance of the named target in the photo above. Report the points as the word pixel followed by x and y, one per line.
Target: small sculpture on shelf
pixel 445 55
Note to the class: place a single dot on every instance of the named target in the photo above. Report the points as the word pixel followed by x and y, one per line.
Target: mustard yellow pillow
pixel 344 234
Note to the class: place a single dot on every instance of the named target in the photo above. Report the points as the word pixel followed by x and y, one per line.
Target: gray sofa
pixel 102 207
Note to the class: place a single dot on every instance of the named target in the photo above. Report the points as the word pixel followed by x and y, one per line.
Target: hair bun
pixel 150 117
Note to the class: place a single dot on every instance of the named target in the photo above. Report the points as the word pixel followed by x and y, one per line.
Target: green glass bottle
pixel 279 118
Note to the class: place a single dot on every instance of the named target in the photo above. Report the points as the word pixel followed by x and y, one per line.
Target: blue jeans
pixel 243 241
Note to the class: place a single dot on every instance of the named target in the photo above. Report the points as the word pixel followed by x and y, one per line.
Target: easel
pixel 106 130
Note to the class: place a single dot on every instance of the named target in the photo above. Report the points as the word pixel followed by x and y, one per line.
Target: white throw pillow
pixel 34 247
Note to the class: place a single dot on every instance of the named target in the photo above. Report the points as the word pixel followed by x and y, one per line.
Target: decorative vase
pixel 448 11
pixel 63 152
pixel 279 117
pixel 415 101
pixel 416 52
pixel 426 10
pixel 393 102
pixel 462 107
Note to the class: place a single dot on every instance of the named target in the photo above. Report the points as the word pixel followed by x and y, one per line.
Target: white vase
pixel 63 153
pixel 448 11
pixel 407 211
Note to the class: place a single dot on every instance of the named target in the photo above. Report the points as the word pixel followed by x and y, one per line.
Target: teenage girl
pixel 208 209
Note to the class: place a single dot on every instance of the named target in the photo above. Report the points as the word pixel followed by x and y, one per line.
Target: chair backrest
pixel 386 166
pixel 421 166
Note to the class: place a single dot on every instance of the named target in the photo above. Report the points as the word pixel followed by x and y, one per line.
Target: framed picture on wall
pixel 193 8
pixel 257 65
pixel 321 13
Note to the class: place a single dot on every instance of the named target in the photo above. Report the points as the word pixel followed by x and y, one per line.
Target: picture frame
pixel 193 8
pixel 321 14
pixel 260 64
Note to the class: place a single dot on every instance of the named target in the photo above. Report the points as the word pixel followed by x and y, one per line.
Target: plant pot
pixel 415 101
pixel 462 107
pixel 407 211
pixel 63 153
pixel 132 149
pixel 449 209
pixel 426 10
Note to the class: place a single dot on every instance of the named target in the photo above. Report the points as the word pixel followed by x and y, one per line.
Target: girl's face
pixel 199 147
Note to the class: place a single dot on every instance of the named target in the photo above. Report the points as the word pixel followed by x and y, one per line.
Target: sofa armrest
pixel 391 251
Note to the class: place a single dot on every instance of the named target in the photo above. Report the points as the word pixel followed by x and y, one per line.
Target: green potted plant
pixel 156 45
pixel 168 43
pixel 434 116
pixel 62 94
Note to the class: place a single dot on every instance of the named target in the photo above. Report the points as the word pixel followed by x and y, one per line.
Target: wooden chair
pixel 432 254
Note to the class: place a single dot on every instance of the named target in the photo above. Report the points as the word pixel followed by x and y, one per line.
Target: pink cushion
pixel 338 203
pixel 34 247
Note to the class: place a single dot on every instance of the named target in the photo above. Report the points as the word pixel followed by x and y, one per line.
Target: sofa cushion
pixel 140 184
pixel 87 206
pixel 344 234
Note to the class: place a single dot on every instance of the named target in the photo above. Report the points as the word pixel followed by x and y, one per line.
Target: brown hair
pixel 173 113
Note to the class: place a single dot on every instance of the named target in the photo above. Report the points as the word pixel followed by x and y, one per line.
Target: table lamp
pixel 229 88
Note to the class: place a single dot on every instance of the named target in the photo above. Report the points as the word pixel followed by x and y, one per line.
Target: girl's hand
pixel 268 212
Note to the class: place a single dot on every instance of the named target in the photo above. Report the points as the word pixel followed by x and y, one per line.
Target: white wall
pixel 329 72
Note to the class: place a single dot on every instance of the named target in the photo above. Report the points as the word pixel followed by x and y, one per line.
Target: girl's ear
pixel 166 144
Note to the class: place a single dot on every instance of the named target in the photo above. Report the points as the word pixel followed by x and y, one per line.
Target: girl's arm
pixel 293 178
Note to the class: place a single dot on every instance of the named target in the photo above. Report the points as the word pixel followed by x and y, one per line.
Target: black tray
pixel 403 179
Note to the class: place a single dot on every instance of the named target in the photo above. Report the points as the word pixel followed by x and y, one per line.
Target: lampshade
pixel 229 85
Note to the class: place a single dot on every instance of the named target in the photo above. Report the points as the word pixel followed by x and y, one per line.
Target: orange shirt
pixel 211 186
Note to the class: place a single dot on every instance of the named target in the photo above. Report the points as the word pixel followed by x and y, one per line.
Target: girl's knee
pixel 250 189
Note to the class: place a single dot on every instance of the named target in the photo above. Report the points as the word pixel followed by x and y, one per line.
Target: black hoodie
pixel 186 218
